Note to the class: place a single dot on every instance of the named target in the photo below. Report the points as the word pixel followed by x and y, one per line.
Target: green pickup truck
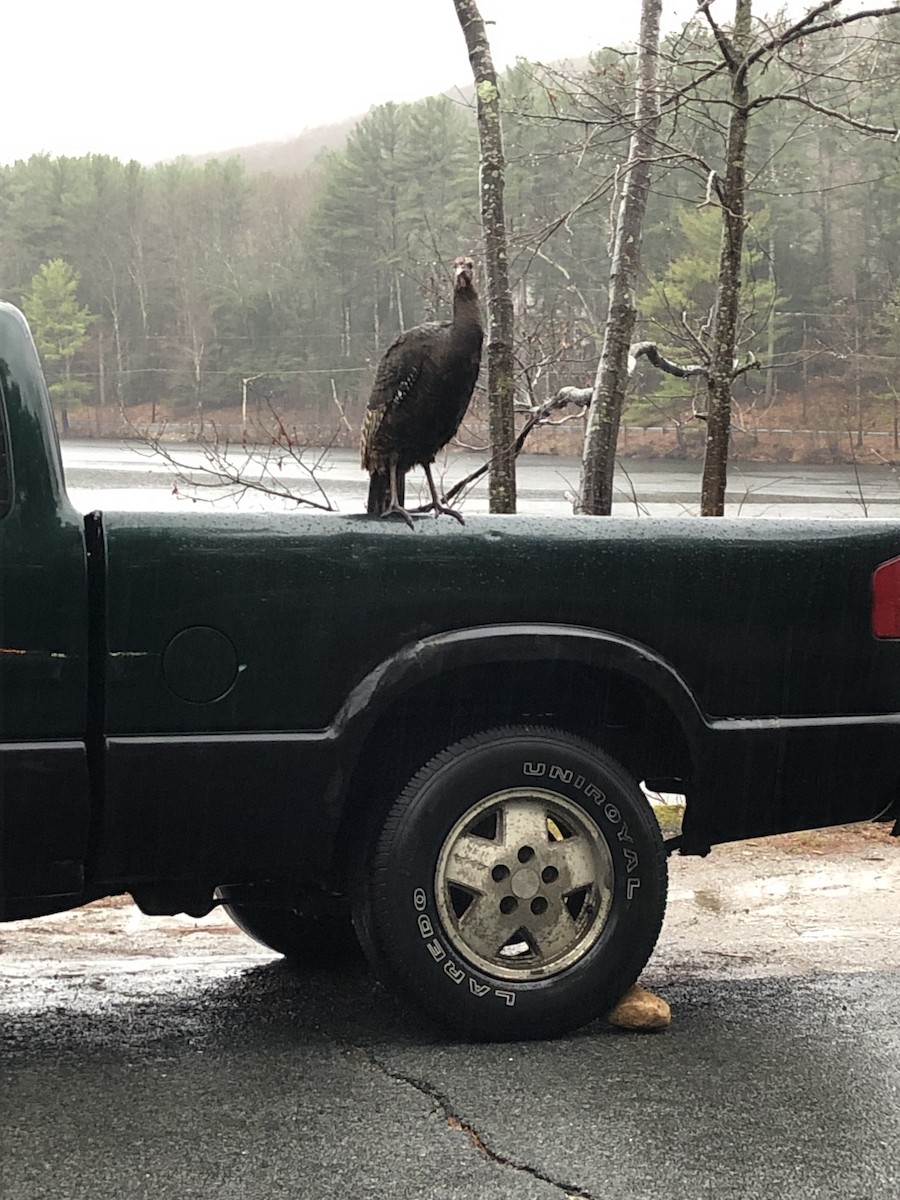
pixel 433 740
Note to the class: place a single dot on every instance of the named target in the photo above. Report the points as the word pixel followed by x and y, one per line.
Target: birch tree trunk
pixel 502 486
pixel 608 399
pixel 728 291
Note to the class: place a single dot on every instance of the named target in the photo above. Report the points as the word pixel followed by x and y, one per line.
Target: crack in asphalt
pixel 444 1109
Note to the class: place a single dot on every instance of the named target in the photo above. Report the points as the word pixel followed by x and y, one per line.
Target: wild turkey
pixel 422 389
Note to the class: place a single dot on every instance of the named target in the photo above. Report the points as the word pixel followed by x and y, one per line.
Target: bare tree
pixel 501 382
pixel 732 195
pixel 739 55
pixel 608 399
pixel 839 94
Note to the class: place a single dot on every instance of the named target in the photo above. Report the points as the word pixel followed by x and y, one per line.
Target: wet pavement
pixel 172 1058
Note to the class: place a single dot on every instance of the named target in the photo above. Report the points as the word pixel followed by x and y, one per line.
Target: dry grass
pixel 841 839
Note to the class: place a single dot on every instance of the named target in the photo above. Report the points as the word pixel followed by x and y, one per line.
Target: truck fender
pixel 419 661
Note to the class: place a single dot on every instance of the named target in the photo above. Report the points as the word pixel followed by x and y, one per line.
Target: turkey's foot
pixel 442 508
pixel 436 501
pixel 398 510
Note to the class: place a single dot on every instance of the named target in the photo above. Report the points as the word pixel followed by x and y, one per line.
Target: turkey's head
pixel 463 274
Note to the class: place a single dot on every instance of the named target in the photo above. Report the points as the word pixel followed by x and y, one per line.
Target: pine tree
pixel 60 328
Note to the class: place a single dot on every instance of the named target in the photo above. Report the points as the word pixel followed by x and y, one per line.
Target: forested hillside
pixel 183 289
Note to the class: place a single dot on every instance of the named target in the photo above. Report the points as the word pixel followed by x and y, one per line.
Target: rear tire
pixel 517 886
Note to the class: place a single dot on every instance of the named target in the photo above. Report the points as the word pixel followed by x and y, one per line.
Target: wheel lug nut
pixel 508 904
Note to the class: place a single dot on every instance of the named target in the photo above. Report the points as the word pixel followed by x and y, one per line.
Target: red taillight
pixel 886 600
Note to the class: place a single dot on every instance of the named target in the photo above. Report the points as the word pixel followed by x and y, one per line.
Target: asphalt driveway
pixel 174 1059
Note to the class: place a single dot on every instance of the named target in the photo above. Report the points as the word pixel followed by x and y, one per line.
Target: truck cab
pixel 45 804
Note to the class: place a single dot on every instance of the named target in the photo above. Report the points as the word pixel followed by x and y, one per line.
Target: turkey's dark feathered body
pixel 421 392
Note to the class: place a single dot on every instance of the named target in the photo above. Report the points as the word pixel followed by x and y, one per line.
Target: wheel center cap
pixel 525 883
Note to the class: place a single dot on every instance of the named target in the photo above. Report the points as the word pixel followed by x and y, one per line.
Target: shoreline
pixel 808 446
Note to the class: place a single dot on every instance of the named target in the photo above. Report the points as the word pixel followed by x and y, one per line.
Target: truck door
pixel 44 796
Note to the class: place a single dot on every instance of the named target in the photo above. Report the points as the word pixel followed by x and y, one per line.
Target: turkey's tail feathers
pixel 379 500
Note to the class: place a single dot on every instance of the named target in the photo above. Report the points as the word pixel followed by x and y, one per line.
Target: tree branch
pixel 721 40
pixel 805 28
pixel 563 398
pixel 231 470
pixel 752 364
pixel 845 118
pixel 649 351
pixel 581 398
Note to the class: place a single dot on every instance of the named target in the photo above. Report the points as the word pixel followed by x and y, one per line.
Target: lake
pixel 115 475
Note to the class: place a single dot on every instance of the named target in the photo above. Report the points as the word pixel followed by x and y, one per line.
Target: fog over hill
pixel 294 155
pixel 291 156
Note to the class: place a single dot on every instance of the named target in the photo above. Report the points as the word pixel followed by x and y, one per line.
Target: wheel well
pixel 614 711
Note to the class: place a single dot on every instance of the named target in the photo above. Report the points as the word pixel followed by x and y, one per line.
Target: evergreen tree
pixel 687 286
pixel 60 328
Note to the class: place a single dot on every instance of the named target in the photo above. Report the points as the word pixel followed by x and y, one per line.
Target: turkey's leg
pixel 435 502
pixel 395 506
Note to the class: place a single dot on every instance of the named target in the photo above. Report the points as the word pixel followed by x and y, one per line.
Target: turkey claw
pixel 400 512
pixel 450 512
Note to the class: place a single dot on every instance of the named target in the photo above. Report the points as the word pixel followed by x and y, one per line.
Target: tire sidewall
pixel 405 923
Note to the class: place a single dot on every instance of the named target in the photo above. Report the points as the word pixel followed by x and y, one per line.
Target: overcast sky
pixel 160 78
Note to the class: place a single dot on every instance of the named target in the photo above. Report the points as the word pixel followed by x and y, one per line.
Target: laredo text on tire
pixel 517 887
